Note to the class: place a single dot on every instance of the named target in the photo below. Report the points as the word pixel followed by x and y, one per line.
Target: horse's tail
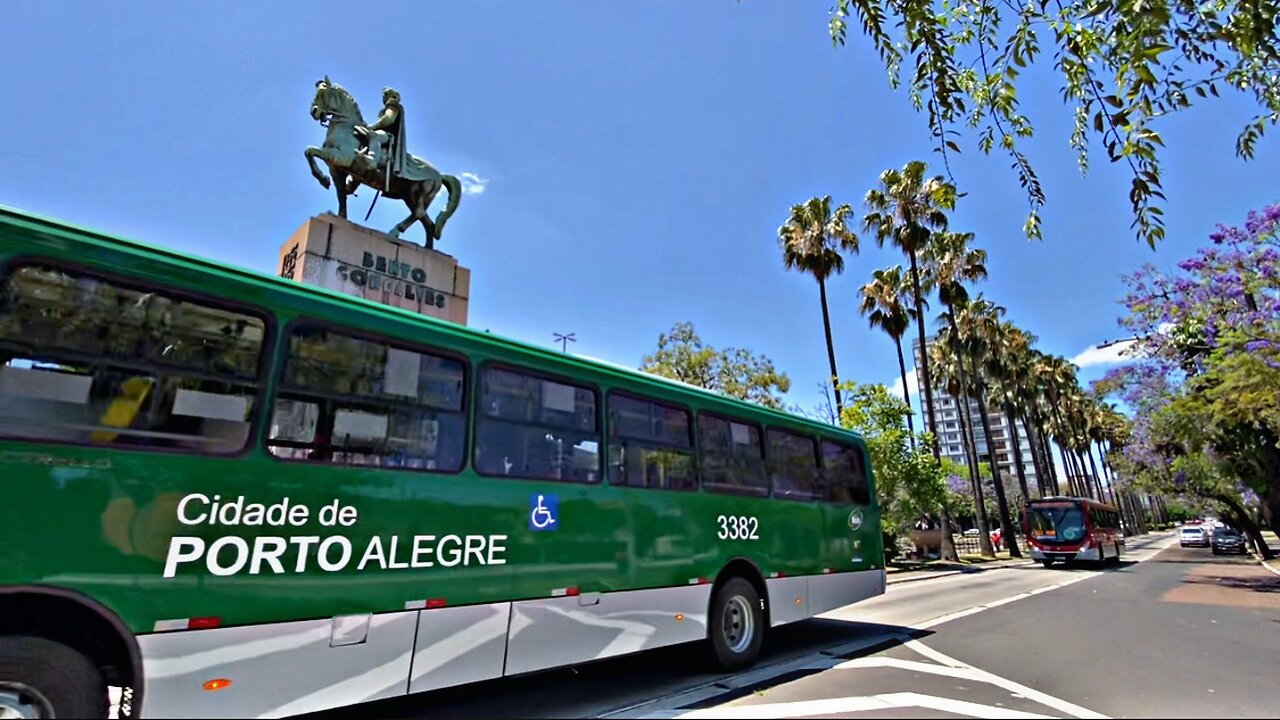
pixel 454 186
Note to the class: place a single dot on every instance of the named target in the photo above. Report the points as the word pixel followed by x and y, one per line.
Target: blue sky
pixel 636 160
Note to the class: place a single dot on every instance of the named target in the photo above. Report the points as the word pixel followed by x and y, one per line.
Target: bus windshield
pixel 1055 524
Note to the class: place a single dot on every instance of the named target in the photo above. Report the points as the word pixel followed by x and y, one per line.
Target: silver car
pixel 1194 536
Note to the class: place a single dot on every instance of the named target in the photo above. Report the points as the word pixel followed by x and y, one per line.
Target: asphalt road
pixel 1017 641
pixel 1185 634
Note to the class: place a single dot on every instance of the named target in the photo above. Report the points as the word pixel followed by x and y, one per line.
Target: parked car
pixel 1228 540
pixel 1194 535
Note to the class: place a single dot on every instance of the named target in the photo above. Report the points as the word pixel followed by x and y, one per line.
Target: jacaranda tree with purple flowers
pixel 1205 386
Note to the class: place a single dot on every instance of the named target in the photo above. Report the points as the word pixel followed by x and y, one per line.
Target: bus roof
pixel 32 222
pixel 1068 499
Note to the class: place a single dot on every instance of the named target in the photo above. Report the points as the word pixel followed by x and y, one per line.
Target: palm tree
pixel 951 377
pixel 1006 366
pixel 906 209
pixel 980 322
pixel 883 304
pixel 812 241
pixel 949 262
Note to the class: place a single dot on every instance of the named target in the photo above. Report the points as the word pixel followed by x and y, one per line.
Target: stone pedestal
pixel 337 254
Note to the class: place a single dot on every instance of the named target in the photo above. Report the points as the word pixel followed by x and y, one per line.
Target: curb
pixel 1149 539
pixel 913 577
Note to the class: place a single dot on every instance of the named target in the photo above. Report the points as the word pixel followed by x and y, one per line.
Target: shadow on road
pixel 1266 584
pixel 595 688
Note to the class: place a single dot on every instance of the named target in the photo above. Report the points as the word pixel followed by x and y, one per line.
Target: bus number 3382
pixel 738 527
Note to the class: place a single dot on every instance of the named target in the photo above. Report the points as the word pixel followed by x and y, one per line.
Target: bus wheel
pixel 42 679
pixel 737 625
pixel 1047 563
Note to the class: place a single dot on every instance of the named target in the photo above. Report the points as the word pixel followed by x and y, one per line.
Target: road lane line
pixel 1014 687
pixel 668 707
pixel 832 706
pixel 959 673
pixel 948 618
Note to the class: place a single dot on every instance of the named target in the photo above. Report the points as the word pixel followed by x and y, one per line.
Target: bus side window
pixel 88 360
pixel 650 445
pixel 732 457
pixel 844 474
pixel 793 465
pixel 532 427
pixel 351 400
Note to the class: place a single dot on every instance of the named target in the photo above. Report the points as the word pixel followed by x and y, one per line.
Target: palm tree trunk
pixel 1073 477
pixel 947 549
pixel 1002 502
pixel 831 349
pixel 930 421
pixel 1043 479
pixel 906 395
pixel 979 501
pixel 1017 450
pixel 1042 452
pixel 1106 471
pixel 1046 456
pixel 1097 479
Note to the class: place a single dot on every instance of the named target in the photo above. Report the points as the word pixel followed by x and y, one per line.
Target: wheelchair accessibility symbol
pixel 542 512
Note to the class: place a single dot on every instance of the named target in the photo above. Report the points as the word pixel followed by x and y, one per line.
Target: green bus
pixel 232 494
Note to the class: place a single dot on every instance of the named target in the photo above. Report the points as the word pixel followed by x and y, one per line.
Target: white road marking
pixel 1013 687
pixel 831 706
pixel 669 707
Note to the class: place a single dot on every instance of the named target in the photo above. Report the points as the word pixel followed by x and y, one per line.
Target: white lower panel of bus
pixel 797 598
pixel 566 630
pixel 277 669
pixel 297 667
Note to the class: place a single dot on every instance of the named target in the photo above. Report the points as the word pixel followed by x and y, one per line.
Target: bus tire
pixel 736 629
pixel 50 679
pixel 1047 563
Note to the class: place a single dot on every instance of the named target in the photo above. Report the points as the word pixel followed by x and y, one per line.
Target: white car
pixel 1194 535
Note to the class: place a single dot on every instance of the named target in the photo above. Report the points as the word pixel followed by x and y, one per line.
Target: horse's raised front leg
pixel 340 186
pixel 312 153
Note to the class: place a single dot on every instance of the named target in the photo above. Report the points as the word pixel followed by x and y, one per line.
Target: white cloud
pixel 1110 355
pixel 913 386
pixel 472 184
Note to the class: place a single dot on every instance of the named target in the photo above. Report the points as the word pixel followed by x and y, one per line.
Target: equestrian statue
pixel 375 155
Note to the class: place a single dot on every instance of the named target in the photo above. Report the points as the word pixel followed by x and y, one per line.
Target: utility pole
pixel 564 340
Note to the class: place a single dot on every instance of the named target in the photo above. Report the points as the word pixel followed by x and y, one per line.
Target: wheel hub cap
pixel 19 701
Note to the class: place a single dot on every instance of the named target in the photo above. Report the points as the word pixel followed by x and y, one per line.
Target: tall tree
pixel 980 321
pixel 1124 67
pixel 883 304
pixel 738 373
pixel 1006 366
pixel 905 210
pixel 947 362
pixel 949 262
pixel 813 240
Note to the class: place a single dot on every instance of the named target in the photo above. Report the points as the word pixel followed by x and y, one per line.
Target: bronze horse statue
pixel 353 166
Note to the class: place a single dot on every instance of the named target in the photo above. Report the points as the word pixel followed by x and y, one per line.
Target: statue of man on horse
pixel 375 155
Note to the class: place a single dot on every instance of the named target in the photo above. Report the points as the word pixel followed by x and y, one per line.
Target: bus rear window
pixel 89 360
pixel 845 474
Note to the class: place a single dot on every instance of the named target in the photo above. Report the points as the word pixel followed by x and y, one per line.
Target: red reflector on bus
pixel 435 603
pixel 217 684
pixel 571 591
pixel 203 623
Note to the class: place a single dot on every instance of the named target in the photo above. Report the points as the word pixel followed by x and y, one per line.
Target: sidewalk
pixel 1274 542
pixel 976 563
pixel 938 568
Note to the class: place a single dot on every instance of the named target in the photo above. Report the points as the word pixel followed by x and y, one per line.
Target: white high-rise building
pixel 999 451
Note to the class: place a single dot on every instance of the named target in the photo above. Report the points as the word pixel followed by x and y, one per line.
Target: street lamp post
pixel 564 340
